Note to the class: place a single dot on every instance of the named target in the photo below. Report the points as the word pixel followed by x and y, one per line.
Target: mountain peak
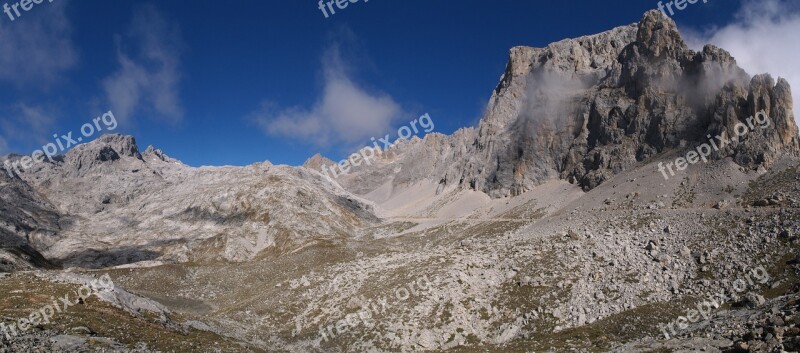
pixel 317 161
pixel 660 34
pixel 108 148
pixel 124 145
pixel 154 153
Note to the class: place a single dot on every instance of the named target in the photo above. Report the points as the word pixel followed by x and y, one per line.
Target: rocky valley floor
pixel 602 271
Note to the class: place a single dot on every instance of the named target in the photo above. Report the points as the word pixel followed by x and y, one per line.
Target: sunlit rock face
pixel 588 108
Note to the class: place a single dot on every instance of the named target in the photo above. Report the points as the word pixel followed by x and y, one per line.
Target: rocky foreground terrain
pixel 548 227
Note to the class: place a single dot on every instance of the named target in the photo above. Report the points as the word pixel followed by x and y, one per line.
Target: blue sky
pixel 238 82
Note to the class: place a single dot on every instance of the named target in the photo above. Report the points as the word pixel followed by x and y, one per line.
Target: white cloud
pixel 345 113
pixel 763 39
pixel 36 48
pixel 149 75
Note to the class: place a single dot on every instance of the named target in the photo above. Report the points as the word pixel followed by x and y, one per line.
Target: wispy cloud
pixel 3 146
pixel 27 125
pixel 36 49
pixel 346 113
pixel 763 39
pixel 148 79
pixel 36 120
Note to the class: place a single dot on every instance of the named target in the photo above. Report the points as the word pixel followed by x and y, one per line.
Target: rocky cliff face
pixel 25 216
pixel 588 108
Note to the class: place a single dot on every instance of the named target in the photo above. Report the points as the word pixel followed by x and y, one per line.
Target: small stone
pixel 793 331
pixel 776 320
pixel 755 300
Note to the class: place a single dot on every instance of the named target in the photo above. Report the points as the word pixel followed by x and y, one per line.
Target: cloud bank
pixel 344 114
pixel 764 39
pixel 148 79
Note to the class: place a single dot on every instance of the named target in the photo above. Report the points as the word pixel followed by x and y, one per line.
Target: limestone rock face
pixel 586 109
pixel 118 206
pixel 27 221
